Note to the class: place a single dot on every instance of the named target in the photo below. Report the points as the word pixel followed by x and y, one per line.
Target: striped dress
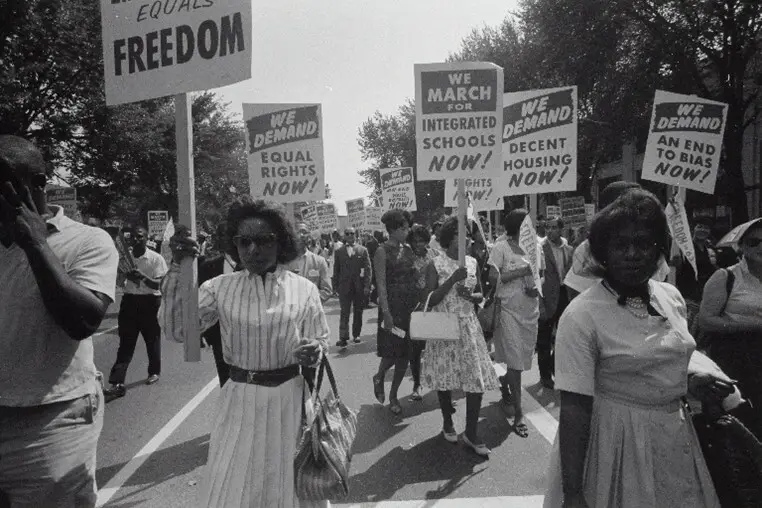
pixel 255 432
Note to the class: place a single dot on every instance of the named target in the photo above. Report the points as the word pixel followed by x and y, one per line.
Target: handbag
pixel 488 316
pixel 425 325
pixel 324 451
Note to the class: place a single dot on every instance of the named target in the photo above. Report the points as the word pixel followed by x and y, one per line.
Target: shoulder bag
pixel 426 325
pixel 324 451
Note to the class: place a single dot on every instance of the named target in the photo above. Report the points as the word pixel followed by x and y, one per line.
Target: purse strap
pixel 426 305
pixel 325 367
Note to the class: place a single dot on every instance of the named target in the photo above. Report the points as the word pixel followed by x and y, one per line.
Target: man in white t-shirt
pixel 138 314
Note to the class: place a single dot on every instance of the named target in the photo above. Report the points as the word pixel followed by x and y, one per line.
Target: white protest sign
pixel 159 48
pixel 573 211
pixel 677 220
pixel 157 222
pixel 310 217
pixel 356 213
pixel 531 246
pixel 484 192
pixel 540 141
pixel 685 141
pixel 398 188
pixel 458 120
pixel 552 211
pixel 589 212
pixel 373 216
pixel 327 217
pixel 284 147
pixel 65 197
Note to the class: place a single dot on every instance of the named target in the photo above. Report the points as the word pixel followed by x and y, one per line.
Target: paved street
pixel 155 440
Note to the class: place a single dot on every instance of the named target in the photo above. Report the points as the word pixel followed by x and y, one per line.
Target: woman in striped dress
pixel 272 321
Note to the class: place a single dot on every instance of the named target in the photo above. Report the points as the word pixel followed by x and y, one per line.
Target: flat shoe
pixel 378 389
pixel 450 437
pixel 480 449
pixel 394 406
pixel 521 429
pixel 415 396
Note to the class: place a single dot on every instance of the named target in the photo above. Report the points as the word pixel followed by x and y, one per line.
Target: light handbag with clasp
pixel 427 325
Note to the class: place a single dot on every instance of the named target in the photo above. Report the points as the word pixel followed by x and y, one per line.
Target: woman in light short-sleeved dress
pixel 622 358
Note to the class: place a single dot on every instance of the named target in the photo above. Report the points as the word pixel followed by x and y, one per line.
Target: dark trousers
pixel 353 301
pixel 546 339
pixel 214 339
pixel 137 316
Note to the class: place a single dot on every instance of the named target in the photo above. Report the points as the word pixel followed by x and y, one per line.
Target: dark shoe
pixel 115 392
pixel 153 378
pixel 342 343
pixel 378 389
pixel 394 406
pixel 356 340
pixel 479 449
pixel 548 383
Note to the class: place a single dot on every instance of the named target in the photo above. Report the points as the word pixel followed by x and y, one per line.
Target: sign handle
pixel 187 216
pixel 462 204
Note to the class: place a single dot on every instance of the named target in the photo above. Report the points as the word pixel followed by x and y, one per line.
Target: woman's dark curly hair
pixel 448 231
pixel 395 219
pixel 636 206
pixel 513 219
pixel 245 208
pixel 418 232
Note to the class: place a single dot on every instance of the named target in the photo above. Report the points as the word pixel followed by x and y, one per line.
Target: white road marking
pixel 535 412
pixel 472 502
pixel 104 332
pixel 110 489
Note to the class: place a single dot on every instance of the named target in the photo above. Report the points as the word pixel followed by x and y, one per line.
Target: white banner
pixel 157 222
pixel 685 141
pixel 485 193
pixel 398 188
pixel 65 197
pixel 573 211
pixel 373 216
pixel 540 141
pixel 160 48
pixel 327 217
pixel 284 147
pixel 531 246
pixel 458 120
pixel 310 218
pixel 677 220
pixel 552 211
pixel 356 213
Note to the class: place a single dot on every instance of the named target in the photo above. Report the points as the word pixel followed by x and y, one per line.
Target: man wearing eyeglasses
pixel 310 265
pixel 57 279
pixel 351 277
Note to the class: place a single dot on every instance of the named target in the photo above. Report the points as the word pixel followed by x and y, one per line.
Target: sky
pixel 354 57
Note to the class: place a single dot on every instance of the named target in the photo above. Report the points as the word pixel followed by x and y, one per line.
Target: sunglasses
pixel 262 240
pixel 752 242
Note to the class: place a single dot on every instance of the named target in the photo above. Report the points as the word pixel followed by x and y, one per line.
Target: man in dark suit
pixel 558 256
pixel 351 278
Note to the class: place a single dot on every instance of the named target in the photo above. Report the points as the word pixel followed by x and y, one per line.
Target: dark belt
pixel 264 377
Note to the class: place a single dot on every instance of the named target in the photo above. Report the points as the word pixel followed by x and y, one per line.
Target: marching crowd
pixel 617 341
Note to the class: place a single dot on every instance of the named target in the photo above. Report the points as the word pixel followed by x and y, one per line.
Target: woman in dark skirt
pixel 394 266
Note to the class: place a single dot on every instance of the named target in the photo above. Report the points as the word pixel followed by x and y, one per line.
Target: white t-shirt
pixel 152 265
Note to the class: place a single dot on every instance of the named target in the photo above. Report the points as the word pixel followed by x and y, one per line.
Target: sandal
pixel 416 395
pixel 451 436
pixel 378 389
pixel 394 406
pixel 479 449
pixel 521 429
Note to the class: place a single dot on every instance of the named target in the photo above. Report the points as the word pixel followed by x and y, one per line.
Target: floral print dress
pixel 462 364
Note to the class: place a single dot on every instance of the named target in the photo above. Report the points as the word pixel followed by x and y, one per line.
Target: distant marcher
pixel 558 257
pixel 309 265
pixel 434 241
pixel 462 364
pixel 394 265
pixel 138 315
pixel 352 272
pixel 690 284
pixel 515 336
pixel 57 280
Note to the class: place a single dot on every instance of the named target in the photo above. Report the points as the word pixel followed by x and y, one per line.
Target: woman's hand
pixel 458 275
pixel 182 245
pixel 308 352
pixel 708 388
pixel 531 291
pixel 388 320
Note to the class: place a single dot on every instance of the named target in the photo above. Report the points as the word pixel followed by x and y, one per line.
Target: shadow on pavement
pixel 401 467
pixel 375 425
pixel 544 396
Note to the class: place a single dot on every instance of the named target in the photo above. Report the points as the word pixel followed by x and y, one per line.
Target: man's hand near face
pixel 20 218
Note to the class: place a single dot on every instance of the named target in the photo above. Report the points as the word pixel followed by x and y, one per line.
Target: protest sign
pixel 65 197
pixel 356 213
pixel 685 141
pixel 310 218
pixel 398 188
pixel 573 211
pixel 485 193
pixel 589 212
pixel 530 244
pixel 373 218
pixel 327 218
pixel 165 47
pixel 457 129
pixel 552 211
pixel 677 220
pixel 157 222
pixel 284 147
pixel 540 141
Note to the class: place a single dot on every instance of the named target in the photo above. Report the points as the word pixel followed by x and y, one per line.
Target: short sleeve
pixel 576 353
pixel 497 256
pixel 160 268
pixel 96 263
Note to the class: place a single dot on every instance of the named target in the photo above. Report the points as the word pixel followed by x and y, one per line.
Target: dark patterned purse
pixel 324 451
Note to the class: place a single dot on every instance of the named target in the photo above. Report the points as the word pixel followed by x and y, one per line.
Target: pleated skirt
pixel 252 448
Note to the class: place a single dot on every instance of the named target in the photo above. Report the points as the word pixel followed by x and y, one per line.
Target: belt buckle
pixel 250 377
